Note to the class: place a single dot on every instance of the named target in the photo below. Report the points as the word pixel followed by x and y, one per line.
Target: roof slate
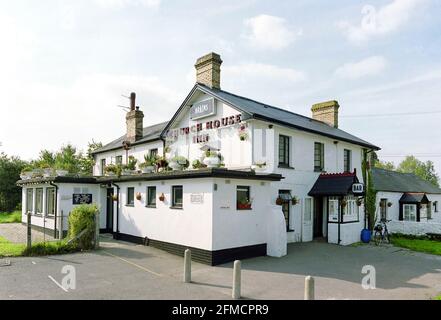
pixel 386 180
pixel 149 133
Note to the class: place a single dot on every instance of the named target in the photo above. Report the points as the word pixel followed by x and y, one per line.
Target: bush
pixel 49 248
pixel 81 218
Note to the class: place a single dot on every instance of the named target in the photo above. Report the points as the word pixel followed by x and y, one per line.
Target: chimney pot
pixel 326 112
pixel 132 101
pixel 208 70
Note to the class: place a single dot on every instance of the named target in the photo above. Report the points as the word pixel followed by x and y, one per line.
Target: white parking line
pixel 55 281
pixel 133 264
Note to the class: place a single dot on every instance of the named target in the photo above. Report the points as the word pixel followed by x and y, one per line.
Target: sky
pixel 65 66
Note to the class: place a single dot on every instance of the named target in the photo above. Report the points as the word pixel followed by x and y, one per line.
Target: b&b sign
pixel 358 188
pixel 202 109
pixel 81 198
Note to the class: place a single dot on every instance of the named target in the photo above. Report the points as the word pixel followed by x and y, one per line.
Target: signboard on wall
pixel 197 198
pixel 358 189
pixel 81 198
pixel 203 109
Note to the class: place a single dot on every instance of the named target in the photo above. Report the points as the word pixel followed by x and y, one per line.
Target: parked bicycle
pixel 381 234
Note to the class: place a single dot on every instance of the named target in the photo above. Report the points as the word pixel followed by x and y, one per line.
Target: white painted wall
pixel 64 203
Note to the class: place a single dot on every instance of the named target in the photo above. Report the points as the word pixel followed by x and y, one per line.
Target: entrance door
pixel 109 210
pixel 318 217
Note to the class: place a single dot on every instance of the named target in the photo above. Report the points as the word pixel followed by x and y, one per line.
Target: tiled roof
pixel 386 180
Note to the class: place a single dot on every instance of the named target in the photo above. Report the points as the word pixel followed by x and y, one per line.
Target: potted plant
pixel 130 167
pixel 279 201
pixel 161 163
pixel 359 202
pixel 138 196
pixel 243 134
pixel 115 197
pixel 389 204
pixel 294 200
pixel 37 173
pixel 26 173
pixel 244 204
pixel 61 170
pixel 148 166
pixel 344 203
pixel 212 159
pixel 197 164
pixel 47 170
pixel 178 163
pixel 259 166
pixel 111 170
pixel 162 197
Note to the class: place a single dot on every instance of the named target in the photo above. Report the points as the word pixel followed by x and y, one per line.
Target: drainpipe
pixel 117 209
pixel 56 208
pixel 339 218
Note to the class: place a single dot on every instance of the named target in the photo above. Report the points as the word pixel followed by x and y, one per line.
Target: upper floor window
pixel 130 196
pixel 177 197
pixel 153 152
pixel 118 159
pixel 319 156
pixel 347 160
pixel 103 166
pixel 283 150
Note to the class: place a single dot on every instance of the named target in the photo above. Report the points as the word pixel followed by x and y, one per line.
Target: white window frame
pixel 51 189
pixel 351 211
pixel 335 201
pixel 37 200
pixel 307 214
pixel 409 216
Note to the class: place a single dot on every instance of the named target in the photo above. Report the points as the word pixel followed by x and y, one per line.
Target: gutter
pixel 116 236
pixel 56 209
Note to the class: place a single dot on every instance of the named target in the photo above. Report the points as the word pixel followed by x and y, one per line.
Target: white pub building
pixel 243 178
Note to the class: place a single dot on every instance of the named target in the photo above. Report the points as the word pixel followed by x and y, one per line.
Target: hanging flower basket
pixel 162 197
pixel 279 201
pixel 294 201
pixel 115 197
pixel 389 204
pixel 138 196
pixel 359 202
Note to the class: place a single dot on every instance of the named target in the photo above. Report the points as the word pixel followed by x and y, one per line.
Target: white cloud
pixel 259 71
pixel 386 20
pixel 368 67
pixel 269 32
pixel 127 3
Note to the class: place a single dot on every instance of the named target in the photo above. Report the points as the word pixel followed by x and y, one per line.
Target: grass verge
pixel 437 297
pixel 13 217
pixel 420 245
pixel 8 249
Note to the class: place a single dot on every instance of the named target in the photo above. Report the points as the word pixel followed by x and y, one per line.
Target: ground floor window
pixel 30 200
pixel 243 201
pixel 177 196
pixel 151 197
pixel 350 210
pixel 435 206
pixel 333 203
pixel 409 212
pixel 39 200
pixel 130 196
pixel 50 201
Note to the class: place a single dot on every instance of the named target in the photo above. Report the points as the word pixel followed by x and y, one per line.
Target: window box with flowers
pixel 243 198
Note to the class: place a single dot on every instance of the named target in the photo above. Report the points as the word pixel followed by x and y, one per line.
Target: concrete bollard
pixel 187 266
pixel 309 288
pixel 237 279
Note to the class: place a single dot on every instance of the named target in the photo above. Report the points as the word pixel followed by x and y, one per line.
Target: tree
pixel 87 161
pixel 10 193
pixel 387 165
pixel 424 170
